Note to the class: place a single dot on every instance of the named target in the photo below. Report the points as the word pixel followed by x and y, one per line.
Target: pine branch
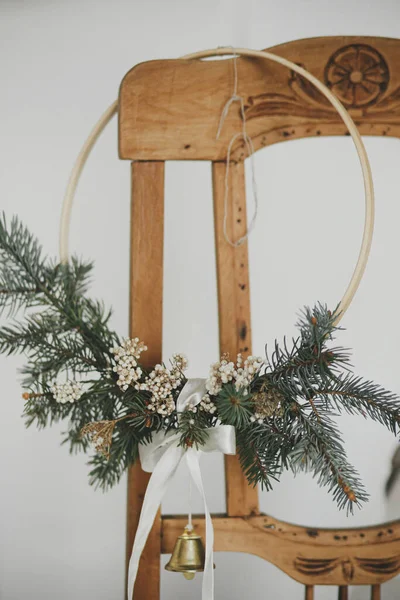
pixel 193 429
pixel 99 400
pixel 46 335
pixel 319 448
pixel 58 286
pixel 317 325
pixel 261 453
pixel 22 263
pixel 234 407
pixel 355 395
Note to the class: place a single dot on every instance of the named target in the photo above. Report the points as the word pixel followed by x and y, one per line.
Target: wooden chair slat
pixel 311 556
pixel 146 293
pixel 376 592
pixel 309 592
pixel 233 307
pixel 343 593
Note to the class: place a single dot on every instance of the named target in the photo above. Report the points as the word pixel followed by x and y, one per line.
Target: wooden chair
pixel 169 110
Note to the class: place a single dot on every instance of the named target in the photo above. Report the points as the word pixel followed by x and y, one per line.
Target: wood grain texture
pixel 233 308
pixel 146 292
pixel 312 556
pixel 170 109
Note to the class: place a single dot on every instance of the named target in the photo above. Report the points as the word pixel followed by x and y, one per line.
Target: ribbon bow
pixel 162 457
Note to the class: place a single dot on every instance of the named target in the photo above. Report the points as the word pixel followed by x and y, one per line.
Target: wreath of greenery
pixel 283 407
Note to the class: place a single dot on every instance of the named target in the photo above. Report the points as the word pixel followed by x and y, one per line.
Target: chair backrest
pixel 170 110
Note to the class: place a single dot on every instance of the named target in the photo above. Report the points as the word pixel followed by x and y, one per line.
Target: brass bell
pixel 188 556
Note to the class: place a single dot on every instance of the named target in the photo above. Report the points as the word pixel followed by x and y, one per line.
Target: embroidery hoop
pixel 346 118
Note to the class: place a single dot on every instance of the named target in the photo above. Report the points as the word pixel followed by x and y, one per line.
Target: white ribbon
pixel 162 457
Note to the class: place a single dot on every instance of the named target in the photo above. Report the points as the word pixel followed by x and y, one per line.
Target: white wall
pixel 60 66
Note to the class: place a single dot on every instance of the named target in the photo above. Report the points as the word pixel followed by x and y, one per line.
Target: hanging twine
pixel 189 525
pixel 250 151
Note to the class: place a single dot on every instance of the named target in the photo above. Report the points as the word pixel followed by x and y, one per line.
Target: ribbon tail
pixel 155 491
pixel 192 458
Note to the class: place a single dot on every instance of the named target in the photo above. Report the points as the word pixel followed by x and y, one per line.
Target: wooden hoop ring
pixel 346 118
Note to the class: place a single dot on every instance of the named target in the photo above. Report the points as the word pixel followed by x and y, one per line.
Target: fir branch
pixel 22 263
pixel 317 325
pixel 193 429
pixel 319 449
pixel 262 454
pixel 70 333
pixel 234 406
pixel 367 398
pixel 58 286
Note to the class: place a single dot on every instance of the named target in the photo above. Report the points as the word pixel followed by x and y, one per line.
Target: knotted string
pixel 250 151
pixel 234 98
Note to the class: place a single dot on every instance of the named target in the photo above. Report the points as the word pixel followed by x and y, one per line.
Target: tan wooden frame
pixel 169 110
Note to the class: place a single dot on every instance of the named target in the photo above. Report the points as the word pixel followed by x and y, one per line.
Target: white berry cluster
pixel 66 392
pixel 161 382
pixel 225 371
pixel 126 356
pixel 207 405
